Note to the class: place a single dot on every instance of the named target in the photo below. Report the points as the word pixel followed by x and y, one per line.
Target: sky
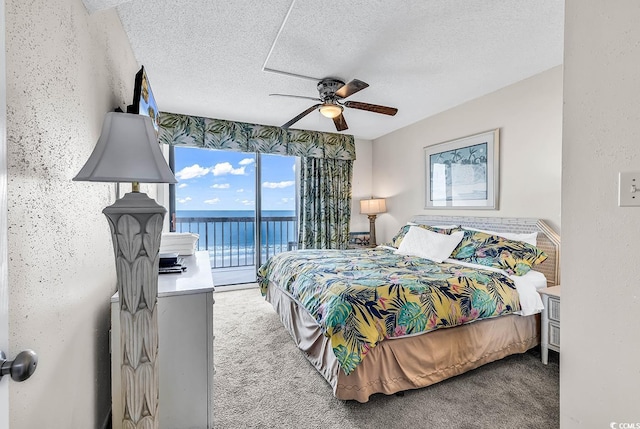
pixel 225 180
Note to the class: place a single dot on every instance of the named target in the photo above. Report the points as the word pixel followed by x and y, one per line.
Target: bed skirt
pixel 406 363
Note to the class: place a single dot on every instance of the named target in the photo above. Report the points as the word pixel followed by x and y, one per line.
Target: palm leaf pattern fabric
pixel 225 135
pixel 181 130
pixel 306 144
pixel 514 257
pixel 325 203
pixel 362 297
pixel 185 130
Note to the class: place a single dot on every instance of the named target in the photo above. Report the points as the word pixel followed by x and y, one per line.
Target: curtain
pixel 326 164
pixel 185 130
pixel 325 203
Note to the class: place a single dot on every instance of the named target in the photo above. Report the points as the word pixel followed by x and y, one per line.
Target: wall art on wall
pixel 463 173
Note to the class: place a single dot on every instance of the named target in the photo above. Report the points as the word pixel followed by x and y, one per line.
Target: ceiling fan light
pixel 331 110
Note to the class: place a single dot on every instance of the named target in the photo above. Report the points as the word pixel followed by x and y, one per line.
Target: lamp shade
pixel 331 110
pixel 127 151
pixel 373 206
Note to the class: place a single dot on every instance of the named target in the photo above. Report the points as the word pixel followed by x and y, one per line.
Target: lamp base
pixel 136 227
pixel 372 230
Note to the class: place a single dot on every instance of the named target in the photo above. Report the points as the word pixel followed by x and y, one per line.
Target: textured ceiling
pixel 96 5
pixel 206 57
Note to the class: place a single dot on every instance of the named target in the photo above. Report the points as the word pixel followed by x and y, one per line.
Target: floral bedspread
pixel 361 297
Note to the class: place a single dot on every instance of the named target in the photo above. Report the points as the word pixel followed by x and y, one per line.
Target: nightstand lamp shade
pixel 371 208
pixel 128 151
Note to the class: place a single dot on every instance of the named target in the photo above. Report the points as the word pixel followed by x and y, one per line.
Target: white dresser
pixel 185 348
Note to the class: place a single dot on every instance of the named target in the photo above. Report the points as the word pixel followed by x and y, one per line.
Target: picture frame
pixel 463 173
pixel 359 239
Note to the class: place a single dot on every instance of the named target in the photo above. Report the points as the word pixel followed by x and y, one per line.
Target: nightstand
pixel 550 321
pixel 359 240
pixel 360 246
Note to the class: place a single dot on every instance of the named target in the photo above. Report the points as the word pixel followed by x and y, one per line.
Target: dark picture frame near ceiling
pixel 463 173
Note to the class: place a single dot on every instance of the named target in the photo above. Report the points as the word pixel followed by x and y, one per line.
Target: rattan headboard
pixel 548 240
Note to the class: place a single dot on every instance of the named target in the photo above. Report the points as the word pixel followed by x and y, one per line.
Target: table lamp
pixel 128 151
pixel 372 207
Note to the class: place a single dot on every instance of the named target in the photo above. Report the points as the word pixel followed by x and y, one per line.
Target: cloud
pixel 286 200
pixel 184 200
pixel 224 168
pixel 212 201
pixel 192 172
pixel 221 186
pixel 276 185
pixel 240 190
pixel 247 161
pixel 247 202
pixel 182 185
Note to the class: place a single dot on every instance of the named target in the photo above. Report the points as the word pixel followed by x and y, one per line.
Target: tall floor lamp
pixel 128 151
pixel 372 207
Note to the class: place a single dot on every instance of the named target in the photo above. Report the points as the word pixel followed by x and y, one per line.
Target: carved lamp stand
pixel 128 151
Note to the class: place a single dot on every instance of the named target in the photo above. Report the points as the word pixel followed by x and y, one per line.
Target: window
pixel 223 195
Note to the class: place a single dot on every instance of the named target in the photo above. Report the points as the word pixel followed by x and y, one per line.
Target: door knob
pixel 21 368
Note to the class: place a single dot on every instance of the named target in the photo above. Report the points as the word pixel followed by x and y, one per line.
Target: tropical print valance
pixel 184 130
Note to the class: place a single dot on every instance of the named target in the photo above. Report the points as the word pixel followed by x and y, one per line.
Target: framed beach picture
pixel 463 173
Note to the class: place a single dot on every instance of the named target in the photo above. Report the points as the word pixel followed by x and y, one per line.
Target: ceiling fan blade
pixel 371 107
pixel 340 122
pixel 351 88
pixel 300 116
pixel 297 96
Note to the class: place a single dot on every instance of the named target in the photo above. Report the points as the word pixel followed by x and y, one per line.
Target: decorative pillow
pixel 397 239
pixel 428 244
pixel 514 257
pixel 530 238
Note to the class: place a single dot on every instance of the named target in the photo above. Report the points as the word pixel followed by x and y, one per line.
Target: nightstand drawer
pixel 554 335
pixel 550 335
pixel 554 309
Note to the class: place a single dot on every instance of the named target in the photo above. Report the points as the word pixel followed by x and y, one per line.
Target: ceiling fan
pixel 332 92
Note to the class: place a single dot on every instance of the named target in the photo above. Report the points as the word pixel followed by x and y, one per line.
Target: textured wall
pixel 4 275
pixel 529 115
pixel 65 69
pixel 600 336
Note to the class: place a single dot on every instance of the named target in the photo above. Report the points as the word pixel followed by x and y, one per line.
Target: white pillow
pixel 428 244
pixel 530 238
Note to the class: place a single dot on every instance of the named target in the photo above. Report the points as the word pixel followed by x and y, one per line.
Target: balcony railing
pixel 231 240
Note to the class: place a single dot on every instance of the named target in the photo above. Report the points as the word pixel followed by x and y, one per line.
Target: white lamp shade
pixel 331 110
pixel 373 206
pixel 127 151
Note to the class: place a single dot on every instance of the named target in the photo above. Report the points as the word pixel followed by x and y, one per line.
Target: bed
pixel 420 353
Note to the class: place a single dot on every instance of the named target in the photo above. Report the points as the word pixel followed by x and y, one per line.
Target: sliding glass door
pixel 277 205
pixel 223 196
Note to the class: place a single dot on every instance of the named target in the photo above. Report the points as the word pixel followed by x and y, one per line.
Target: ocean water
pixel 229 235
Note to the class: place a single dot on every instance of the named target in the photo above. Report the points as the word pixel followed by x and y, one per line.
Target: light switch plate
pixel 629 189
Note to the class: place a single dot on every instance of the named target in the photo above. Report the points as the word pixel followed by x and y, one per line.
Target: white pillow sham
pixel 530 238
pixel 428 244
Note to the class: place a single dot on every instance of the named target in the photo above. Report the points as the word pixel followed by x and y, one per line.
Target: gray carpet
pixel 263 381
